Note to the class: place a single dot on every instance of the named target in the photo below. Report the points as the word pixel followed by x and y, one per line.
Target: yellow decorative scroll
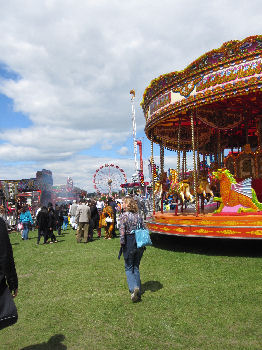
pixel 203 231
pixel 229 232
pixel 180 230
pixel 256 232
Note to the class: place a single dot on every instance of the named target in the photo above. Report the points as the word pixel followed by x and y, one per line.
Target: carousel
pixel 210 114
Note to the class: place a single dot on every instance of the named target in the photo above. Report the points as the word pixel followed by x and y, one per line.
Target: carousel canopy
pixel 222 90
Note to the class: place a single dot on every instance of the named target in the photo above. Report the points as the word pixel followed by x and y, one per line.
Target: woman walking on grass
pixel 25 219
pixel 132 255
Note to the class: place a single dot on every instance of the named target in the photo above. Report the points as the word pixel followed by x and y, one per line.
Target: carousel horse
pixel 158 187
pixel 233 193
pixel 173 178
pixel 181 189
pixel 184 191
pixel 162 185
pixel 204 188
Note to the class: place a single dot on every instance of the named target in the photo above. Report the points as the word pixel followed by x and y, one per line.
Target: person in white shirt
pixel 100 206
pixel 72 214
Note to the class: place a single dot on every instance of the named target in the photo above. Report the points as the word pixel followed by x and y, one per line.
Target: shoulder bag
pixel 142 236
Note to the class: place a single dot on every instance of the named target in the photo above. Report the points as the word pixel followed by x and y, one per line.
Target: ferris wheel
pixel 108 178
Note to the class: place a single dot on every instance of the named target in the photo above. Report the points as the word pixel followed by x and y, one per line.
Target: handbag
pixel 8 310
pixel 20 226
pixel 142 237
pixel 108 219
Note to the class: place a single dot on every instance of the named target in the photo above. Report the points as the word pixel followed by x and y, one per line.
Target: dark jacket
pixel 94 216
pixel 42 219
pixel 59 216
pixel 51 219
pixel 113 205
pixel 7 265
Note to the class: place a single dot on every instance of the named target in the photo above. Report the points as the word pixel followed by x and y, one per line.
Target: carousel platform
pixel 222 225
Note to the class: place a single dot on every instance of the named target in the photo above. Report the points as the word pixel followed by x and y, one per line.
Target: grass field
pixel 197 294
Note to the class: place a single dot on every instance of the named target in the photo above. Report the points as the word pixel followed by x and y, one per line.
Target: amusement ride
pixel 138 176
pixel 212 112
pixel 137 180
pixel 108 178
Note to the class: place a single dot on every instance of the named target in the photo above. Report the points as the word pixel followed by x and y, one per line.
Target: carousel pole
pixel 197 147
pixel 194 162
pixel 198 166
pixel 184 163
pixel 178 162
pixel 218 149
pixel 153 178
pixel 178 151
pixel 162 150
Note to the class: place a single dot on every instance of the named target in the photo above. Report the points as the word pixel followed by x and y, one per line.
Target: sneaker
pixel 135 295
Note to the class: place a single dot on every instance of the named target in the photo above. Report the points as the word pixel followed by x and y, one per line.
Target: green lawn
pixel 198 294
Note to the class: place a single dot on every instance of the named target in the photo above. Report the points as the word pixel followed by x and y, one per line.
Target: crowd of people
pixel 85 216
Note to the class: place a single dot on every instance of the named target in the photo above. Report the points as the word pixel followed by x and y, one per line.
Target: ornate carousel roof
pixel 222 90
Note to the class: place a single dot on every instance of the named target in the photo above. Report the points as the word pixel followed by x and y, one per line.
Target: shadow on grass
pixel 54 343
pixel 209 246
pixel 153 286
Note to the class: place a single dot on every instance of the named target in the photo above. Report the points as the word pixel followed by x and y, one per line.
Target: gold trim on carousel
pixel 203 231
pixel 256 233
pixel 229 232
pixel 180 230
pixel 229 54
pixel 156 226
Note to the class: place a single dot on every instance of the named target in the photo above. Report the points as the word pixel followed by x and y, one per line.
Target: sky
pixel 67 67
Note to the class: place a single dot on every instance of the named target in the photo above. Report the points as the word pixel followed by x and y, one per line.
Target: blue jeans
pixel 25 230
pixel 132 270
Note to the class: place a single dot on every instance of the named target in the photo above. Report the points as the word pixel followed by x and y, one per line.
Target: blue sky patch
pixel 7 73
pixel 9 119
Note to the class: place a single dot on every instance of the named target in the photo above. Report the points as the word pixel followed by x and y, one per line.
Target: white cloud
pixel 123 151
